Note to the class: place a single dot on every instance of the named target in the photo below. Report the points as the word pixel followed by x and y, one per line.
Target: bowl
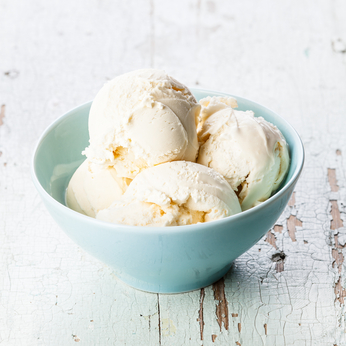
pixel 156 259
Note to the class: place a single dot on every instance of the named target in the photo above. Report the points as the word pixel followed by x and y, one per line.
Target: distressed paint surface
pixel 289 289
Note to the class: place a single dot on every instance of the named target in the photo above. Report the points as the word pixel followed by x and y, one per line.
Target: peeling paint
pixel 292 200
pixel 335 224
pixel 279 267
pixel 305 287
pixel 278 228
pixel 336 241
pixel 271 239
pixel 340 292
pixel 338 259
pixel 292 222
pixel 332 180
pixel 200 313
pixel 336 221
pixel 222 306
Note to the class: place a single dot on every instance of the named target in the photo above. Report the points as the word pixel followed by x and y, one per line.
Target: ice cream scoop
pixel 92 188
pixel 141 119
pixel 213 104
pixel 173 194
pixel 249 152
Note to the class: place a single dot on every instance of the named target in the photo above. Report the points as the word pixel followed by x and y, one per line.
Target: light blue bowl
pixel 156 259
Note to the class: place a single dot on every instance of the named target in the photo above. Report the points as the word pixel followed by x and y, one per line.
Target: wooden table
pixel 289 289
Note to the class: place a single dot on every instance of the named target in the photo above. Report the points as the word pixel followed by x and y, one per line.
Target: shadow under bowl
pixel 156 259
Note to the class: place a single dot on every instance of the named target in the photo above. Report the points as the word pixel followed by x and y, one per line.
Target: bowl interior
pixel 59 151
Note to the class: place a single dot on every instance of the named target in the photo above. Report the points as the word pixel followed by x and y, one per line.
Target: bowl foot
pixel 178 287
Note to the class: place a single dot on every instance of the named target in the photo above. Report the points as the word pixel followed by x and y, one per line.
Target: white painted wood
pixel 287 55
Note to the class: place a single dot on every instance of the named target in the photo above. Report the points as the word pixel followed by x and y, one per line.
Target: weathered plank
pixel 289 289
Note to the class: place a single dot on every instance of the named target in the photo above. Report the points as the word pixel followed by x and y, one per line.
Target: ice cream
pixel 249 152
pixel 173 194
pixel 141 119
pixel 93 188
pixel 146 133
pixel 211 105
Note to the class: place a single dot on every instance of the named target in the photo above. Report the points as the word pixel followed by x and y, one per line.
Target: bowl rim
pixel 171 229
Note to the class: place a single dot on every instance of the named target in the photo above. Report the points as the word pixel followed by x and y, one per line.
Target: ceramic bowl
pixel 156 259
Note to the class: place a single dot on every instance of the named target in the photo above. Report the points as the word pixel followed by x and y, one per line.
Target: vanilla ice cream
pixel 249 152
pixel 213 104
pixel 141 119
pixel 173 194
pixel 93 188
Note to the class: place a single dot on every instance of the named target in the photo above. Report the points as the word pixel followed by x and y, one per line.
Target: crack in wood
pixel 234 315
pixel 213 337
pixel 292 200
pixel 200 313
pixel 238 343
pixel 265 328
pixel 239 327
pixel 292 223
pixel 222 306
pixel 2 114
pixel 332 180
pixel 159 317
